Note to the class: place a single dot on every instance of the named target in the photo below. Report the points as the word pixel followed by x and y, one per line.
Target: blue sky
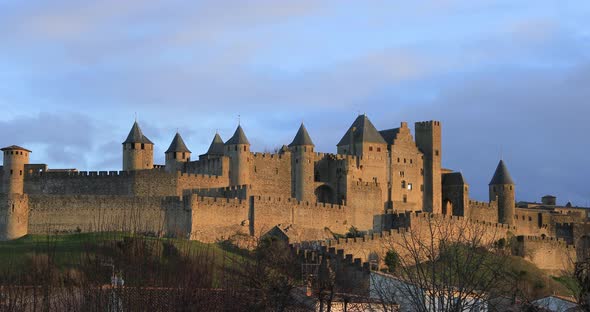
pixel 510 77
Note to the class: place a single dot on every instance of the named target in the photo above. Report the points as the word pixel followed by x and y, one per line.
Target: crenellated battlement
pixel 292 201
pixel 481 204
pixel 428 124
pixel 268 156
pixel 217 201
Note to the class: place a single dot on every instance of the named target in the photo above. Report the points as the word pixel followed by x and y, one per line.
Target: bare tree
pixel 443 264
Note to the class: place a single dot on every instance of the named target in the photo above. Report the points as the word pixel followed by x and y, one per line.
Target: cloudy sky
pixel 504 77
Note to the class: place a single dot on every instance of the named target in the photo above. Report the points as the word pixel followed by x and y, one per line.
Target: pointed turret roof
pixel 239 137
pixel 177 145
pixel 363 131
pixel 136 136
pixel 302 137
pixel 216 147
pixel 501 176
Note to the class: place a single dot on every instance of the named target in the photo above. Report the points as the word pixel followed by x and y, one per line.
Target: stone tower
pixel 428 140
pixel 502 188
pixel 14 209
pixel 455 195
pixel 138 150
pixel 237 148
pixel 177 154
pixel 302 165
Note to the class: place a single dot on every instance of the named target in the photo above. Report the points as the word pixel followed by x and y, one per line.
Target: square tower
pixel 428 140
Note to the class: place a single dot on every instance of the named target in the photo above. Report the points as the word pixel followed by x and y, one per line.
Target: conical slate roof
pixel 216 147
pixel 364 132
pixel 302 137
pixel 239 137
pixel 501 176
pixel 177 145
pixel 136 136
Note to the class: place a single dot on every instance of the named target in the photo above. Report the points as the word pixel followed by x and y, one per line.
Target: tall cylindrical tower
pixel 237 148
pixel 14 209
pixel 501 188
pixel 302 165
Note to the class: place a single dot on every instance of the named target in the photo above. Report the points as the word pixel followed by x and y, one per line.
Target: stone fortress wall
pixel 378 183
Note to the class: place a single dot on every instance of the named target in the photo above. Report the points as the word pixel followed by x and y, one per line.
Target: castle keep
pixel 376 181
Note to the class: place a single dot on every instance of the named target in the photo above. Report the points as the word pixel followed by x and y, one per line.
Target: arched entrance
pixel 324 194
pixel 447 207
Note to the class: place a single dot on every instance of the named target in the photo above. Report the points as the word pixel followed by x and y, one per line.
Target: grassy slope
pixel 66 248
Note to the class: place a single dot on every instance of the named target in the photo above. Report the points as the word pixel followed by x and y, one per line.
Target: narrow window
pixel 402 174
pixel 174 155
pixel 398 159
pixel 12 207
pixel 411 161
pixel 410 186
pixel 404 160
pixel 142 146
pixel 244 148
pixel 370 148
pixel 436 152
pixel 378 149
pixel 405 198
pixel 10 171
pixel 277 170
pixel 183 155
pixel 404 184
pixel 21 172
pixel 511 187
pixel 11 152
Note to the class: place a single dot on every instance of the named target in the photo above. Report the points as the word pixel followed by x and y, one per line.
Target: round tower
pixel 177 154
pixel 14 212
pixel 237 148
pixel 502 189
pixel 138 150
pixel 302 165
pixel 15 159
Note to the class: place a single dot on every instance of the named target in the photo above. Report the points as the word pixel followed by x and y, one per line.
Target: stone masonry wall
pixel 140 183
pixel 483 211
pixel 547 253
pixel 271 174
pixel 88 213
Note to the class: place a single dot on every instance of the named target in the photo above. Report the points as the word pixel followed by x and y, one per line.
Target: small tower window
pixel 405 198
pixel 21 172
pixel 398 159
pixel 370 148
pixel 436 152
pixel 404 184
pixel 183 155
pixel 411 161
pixel 402 174
pixel 404 160
pixel 244 148
pixel 378 149
pixel 409 186
pixel 12 207
pixel 142 146
pixel 10 171
pixel 236 148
